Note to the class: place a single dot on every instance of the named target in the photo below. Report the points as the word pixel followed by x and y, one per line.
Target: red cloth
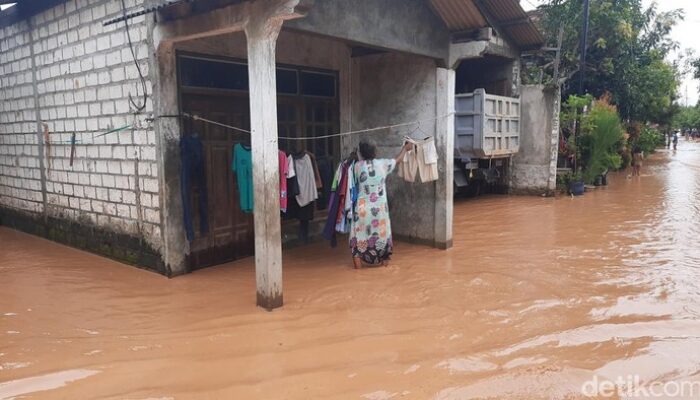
pixel 341 191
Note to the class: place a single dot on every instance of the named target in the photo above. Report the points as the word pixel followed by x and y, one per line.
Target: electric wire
pixel 142 106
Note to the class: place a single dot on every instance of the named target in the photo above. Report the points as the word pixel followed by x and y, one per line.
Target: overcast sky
pixel 685 33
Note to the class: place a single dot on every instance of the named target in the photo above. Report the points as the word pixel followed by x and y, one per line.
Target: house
pixel 97 95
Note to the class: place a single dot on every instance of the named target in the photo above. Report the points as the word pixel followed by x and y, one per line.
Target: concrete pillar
pixel 164 77
pixel 444 138
pixel 554 141
pixel 262 21
pixel 261 34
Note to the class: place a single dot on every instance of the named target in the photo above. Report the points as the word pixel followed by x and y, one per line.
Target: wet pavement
pixel 537 297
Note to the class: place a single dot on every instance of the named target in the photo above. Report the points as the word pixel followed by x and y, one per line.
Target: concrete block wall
pixel 64 71
pixel 20 175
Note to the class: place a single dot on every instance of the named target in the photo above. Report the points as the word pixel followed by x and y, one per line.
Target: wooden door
pixel 231 233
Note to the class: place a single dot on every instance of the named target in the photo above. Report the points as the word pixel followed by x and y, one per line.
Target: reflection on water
pixel 536 298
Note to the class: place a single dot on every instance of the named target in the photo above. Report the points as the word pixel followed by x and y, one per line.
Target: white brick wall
pixel 84 75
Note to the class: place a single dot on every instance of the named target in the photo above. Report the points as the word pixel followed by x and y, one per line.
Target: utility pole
pixel 557 58
pixel 584 44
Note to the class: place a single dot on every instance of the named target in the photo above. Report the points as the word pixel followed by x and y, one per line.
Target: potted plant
pixel 576 184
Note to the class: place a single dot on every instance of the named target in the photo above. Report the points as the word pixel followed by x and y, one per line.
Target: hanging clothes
pixel 242 165
pixel 317 174
pixel 292 184
pixel 370 235
pixel 329 230
pixel 306 178
pixel 292 190
pixel 342 196
pixel 325 168
pixel 192 176
pixel 284 173
pixel 422 159
pixel 349 199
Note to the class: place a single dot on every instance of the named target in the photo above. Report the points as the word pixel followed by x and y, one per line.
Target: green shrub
pixel 649 139
pixel 564 180
pixel 602 139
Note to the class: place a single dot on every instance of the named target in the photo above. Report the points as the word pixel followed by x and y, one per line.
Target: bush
pixel 603 138
pixel 563 181
pixel 649 139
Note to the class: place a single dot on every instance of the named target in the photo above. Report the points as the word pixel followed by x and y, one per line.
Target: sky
pixel 684 33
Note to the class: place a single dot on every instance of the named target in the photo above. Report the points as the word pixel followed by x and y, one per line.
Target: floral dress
pixel 370 233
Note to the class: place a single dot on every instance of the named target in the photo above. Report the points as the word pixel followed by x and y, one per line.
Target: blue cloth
pixel 329 231
pixel 192 176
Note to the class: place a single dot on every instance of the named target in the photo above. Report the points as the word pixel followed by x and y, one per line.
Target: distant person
pixel 675 140
pixel 669 137
pixel 637 161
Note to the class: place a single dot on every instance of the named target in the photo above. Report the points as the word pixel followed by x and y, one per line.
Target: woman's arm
pixel 405 149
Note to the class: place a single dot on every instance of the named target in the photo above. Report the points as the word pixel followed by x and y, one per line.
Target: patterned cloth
pixel 370 234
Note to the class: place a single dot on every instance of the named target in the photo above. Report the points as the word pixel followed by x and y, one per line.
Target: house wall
pixel 534 168
pixel 414 26
pixel 64 69
pixel 375 90
pixel 390 89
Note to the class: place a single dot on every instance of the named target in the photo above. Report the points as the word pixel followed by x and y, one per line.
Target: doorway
pixel 216 88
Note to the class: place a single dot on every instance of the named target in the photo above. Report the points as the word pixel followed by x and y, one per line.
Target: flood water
pixel 537 297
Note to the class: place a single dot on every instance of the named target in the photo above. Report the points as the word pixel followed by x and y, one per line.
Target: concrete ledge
pixel 415 240
pixel 542 192
pixel 444 245
pixel 117 246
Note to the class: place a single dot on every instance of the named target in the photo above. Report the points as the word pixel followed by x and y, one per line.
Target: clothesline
pixel 122 128
pixel 235 128
pixel 368 130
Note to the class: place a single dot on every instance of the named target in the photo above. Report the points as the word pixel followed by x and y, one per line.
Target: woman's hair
pixel 367 151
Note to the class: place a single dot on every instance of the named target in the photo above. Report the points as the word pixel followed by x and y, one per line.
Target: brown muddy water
pixel 537 297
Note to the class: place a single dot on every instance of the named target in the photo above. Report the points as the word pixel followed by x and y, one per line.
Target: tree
pixel 627 52
pixel 687 118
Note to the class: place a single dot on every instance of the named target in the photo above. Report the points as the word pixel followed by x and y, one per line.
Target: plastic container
pixel 577 188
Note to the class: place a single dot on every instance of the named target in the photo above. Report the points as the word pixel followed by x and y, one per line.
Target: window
pixel 317 84
pixel 199 72
pixel 287 81
pixel 233 75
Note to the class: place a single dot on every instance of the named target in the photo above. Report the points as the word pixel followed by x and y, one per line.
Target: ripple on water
pixel 535 298
pixel 14 365
pixel 468 364
pixel 380 395
pixel 55 380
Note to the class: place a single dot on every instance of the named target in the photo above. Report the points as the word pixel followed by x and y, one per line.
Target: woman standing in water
pixel 370 232
pixel 637 161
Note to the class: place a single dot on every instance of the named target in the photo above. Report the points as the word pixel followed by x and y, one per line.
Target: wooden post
pixel 262 30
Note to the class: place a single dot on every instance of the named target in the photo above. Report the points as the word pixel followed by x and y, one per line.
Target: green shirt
pixel 242 165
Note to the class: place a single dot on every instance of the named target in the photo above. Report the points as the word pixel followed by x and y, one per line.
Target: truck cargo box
pixel 486 126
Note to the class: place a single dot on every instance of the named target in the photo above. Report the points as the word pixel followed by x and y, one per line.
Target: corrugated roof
pixel 508 15
pixel 459 14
